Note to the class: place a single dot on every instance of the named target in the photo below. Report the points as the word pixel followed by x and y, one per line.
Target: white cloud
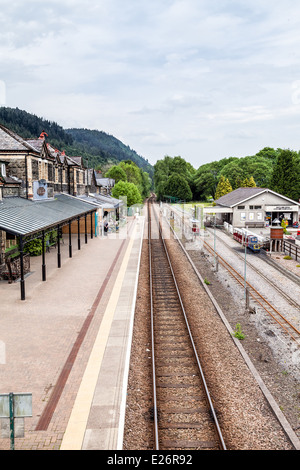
pixel 166 76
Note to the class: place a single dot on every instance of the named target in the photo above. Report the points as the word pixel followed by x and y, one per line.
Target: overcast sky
pixel 204 79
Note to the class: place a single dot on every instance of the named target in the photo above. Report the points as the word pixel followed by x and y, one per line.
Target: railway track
pixel 291 330
pixel 183 412
pixel 278 317
pixel 275 286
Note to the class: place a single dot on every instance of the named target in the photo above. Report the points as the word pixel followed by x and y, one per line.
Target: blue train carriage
pixel 252 243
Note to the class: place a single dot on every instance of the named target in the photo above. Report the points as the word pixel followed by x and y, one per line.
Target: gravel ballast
pixel 247 420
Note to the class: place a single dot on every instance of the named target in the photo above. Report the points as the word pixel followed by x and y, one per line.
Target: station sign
pixel 14 407
pixel 22 405
pixel 281 208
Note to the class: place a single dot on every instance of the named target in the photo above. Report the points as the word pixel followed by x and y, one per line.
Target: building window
pixel 241 207
pixel 257 207
pixel 251 215
pixel 259 216
pixel 243 215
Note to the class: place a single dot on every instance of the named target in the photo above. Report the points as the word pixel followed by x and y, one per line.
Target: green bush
pixel 34 247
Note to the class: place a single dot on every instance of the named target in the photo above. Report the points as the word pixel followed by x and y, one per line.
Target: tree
pixel 132 172
pixel 164 169
pixel 233 172
pixel 224 187
pixel 116 173
pixel 145 184
pixel 248 183
pixel 129 190
pixel 251 182
pixel 286 175
pixel 177 186
pixel 205 185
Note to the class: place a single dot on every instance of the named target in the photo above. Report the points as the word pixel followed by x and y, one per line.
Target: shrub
pixel 238 332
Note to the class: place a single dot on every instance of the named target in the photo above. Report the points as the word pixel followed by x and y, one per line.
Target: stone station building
pixel 43 190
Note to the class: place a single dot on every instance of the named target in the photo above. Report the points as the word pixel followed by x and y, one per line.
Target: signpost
pixel 15 405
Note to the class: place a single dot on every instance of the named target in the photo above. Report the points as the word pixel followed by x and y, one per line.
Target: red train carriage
pixel 251 241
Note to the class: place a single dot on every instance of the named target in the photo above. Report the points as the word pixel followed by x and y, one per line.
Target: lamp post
pixel 215 239
pixel 244 241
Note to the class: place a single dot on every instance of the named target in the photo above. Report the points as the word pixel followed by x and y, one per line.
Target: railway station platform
pixel 69 343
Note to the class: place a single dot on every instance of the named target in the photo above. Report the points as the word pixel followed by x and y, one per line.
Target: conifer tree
pixel 286 175
pixel 251 182
pixel 224 187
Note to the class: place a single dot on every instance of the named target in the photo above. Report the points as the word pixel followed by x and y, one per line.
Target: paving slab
pixel 47 340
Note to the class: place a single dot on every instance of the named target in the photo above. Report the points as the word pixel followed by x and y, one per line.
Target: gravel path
pixel 245 416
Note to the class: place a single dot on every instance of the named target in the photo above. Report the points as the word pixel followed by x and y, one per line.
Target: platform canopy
pixel 23 217
pixel 28 219
pixel 217 210
pixel 106 202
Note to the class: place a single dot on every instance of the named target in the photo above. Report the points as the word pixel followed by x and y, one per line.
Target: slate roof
pixel 243 194
pixel 21 216
pixel 105 182
pixel 107 202
pixel 238 195
pixel 10 141
pixel 78 160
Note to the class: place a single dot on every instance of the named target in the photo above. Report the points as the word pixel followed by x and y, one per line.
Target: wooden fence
pixel 291 249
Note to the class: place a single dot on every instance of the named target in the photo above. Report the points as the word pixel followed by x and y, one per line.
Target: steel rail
pixel 202 377
pixel 274 286
pixel 155 411
pixel 239 278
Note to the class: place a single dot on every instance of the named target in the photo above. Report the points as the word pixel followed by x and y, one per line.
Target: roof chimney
pixel 42 135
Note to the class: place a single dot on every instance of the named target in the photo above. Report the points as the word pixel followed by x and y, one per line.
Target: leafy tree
pixel 145 184
pixel 224 187
pixel 177 186
pixel 130 190
pixel 116 173
pixel 132 172
pixel 269 154
pixel 238 183
pixel 164 169
pixel 233 172
pixel 205 185
pixel 286 175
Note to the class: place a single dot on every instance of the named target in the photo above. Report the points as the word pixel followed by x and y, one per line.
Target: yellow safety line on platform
pixel 74 435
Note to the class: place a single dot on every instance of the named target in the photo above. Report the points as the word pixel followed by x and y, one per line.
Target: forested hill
pixel 94 140
pixel 96 147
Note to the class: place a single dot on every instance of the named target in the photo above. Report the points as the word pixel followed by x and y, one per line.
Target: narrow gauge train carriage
pixel 251 241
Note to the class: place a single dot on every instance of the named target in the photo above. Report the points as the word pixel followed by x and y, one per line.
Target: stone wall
pixel 11 270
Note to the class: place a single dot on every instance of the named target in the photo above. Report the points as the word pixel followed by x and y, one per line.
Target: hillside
pixel 96 147
pixel 93 140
